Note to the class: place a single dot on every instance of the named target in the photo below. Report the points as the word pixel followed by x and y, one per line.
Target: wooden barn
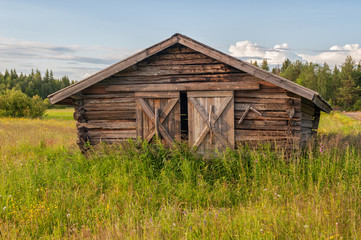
pixel 181 89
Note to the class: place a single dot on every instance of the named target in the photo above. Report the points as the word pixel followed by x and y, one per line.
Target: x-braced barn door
pixel 158 113
pixel 210 119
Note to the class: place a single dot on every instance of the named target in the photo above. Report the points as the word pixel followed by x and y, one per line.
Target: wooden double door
pixel 210 116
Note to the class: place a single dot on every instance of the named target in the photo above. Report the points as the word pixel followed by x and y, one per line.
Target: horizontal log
pixel 308 109
pixel 262 133
pixel 216 77
pixel 260 100
pixel 306 123
pixel 183 87
pixel 109 101
pixel 268 115
pixel 306 116
pixel 305 130
pixel 267 127
pixel 175 56
pixel 112 134
pixel 264 138
pixel 108 124
pixel 177 48
pixel 95 89
pixel 262 122
pixel 286 144
pixel 156 95
pixel 260 94
pixel 110 107
pixel 262 107
pixel 109 95
pixel 110 115
pixel 177 69
pixel 195 59
pixel 96 141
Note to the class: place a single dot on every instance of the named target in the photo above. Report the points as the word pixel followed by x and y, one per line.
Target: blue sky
pixel 77 38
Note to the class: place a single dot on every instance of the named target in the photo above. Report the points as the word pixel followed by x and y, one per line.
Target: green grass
pixel 49 190
pixel 336 122
pixel 60 114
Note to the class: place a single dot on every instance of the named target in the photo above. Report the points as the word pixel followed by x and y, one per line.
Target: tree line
pixel 34 83
pixel 25 95
pixel 341 86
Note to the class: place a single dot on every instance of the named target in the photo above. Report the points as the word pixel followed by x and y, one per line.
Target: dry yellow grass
pixel 17 136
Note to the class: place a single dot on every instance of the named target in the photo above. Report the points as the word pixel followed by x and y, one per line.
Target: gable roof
pixel 199 47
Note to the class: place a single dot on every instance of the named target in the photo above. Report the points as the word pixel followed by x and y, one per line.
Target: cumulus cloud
pixel 74 61
pixel 246 50
pixel 336 55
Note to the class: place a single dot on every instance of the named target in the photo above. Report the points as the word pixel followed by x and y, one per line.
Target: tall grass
pixel 142 191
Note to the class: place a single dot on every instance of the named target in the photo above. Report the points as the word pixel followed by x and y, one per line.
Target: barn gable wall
pixel 108 116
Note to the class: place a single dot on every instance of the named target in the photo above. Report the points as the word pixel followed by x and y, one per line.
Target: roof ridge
pixel 202 48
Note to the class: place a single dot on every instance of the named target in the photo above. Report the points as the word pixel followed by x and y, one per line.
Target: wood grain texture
pixel 184 87
pixel 203 124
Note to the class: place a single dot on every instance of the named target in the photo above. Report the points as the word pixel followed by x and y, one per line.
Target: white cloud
pixel 74 61
pixel 336 55
pixel 247 50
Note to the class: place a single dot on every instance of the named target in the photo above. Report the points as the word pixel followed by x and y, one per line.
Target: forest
pixel 340 85
pixel 32 84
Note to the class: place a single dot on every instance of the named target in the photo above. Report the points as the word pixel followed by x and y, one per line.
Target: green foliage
pixel 32 84
pixel 255 63
pixel 49 190
pixel 264 65
pixel 14 103
pixel 341 86
pixel 175 194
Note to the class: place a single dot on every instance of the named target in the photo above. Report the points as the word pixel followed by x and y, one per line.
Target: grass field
pixel 60 114
pixel 49 190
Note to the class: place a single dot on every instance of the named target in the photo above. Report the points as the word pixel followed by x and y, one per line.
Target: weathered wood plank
pixel 268 115
pixel 122 134
pixel 110 115
pixel 261 100
pixel 109 95
pixel 262 107
pixel 210 94
pixel 267 127
pixel 107 124
pixel 259 94
pixel 284 83
pixel 110 107
pixel 114 100
pixel 178 69
pixel 215 77
pixel 184 87
pixel 307 109
pixel 115 68
pixel 156 95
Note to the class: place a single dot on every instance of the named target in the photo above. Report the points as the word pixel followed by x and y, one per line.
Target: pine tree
pixel 348 92
pixel 276 70
pixel 264 65
pixel 285 65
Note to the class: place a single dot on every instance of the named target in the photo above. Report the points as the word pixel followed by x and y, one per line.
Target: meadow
pixel 49 190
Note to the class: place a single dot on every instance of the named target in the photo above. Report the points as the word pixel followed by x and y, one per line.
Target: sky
pixel 78 38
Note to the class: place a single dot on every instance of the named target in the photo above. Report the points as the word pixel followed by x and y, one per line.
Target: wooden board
pixel 184 87
pixel 158 114
pixel 210 120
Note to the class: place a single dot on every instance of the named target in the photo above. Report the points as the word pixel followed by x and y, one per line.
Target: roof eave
pixel 202 48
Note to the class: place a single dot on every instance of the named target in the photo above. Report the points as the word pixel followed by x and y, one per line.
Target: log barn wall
pixel 106 115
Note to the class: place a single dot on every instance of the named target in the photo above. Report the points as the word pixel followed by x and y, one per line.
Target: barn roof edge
pixel 202 48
